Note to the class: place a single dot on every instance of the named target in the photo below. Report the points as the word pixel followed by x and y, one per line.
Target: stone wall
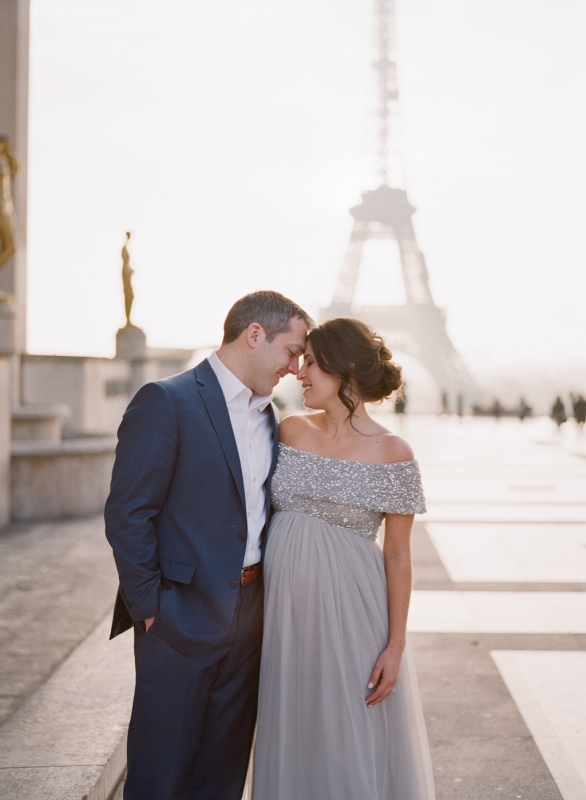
pixel 5 409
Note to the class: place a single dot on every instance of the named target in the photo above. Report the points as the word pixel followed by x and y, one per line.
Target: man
pixel 187 519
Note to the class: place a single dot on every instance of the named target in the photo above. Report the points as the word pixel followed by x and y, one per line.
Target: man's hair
pixel 270 309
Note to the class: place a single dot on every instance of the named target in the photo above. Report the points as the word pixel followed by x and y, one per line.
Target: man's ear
pixel 254 335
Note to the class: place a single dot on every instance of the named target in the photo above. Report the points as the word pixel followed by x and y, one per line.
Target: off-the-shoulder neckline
pixel 350 461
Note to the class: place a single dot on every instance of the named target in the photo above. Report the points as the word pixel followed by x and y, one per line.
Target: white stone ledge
pixel 60 481
pixel 68 740
pixel 87 445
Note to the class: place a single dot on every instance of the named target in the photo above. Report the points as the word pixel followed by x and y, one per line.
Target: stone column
pixel 14 65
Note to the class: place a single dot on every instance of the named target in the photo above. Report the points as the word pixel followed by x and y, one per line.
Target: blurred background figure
pixel 460 405
pixel 496 409
pixel 401 401
pixel 558 412
pixel 579 409
pixel 523 410
pixel 445 403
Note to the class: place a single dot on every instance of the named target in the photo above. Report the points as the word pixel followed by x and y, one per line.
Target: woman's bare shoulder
pixel 294 428
pixel 393 448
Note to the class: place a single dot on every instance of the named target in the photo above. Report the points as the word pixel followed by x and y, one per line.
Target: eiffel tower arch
pixel 418 326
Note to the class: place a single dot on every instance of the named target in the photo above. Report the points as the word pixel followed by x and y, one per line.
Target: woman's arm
pixel 397 554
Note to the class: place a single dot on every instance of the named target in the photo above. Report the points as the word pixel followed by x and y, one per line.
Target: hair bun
pixel 390 377
pixel 351 350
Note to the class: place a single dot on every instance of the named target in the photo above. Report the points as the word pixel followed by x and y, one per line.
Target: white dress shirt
pixel 254 439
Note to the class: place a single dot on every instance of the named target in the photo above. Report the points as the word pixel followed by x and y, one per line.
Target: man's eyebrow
pixel 299 347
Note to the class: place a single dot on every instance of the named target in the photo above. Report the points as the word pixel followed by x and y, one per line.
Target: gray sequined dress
pixel 326 623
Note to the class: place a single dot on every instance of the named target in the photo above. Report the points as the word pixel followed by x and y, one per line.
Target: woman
pixel 339 710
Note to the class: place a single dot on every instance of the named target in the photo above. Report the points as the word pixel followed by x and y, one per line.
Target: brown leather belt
pixel 250 574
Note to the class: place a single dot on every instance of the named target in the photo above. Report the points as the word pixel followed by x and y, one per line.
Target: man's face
pixel 273 360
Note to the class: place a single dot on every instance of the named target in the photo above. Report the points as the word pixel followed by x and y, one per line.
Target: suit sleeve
pixel 143 469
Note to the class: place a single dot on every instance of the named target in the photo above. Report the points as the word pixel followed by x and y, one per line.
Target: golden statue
pixel 127 273
pixel 8 169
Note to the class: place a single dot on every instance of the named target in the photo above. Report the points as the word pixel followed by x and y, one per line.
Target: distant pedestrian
pixel 496 409
pixel 401 401
pixel 460 405
pixel 579 404
pixel 558 412
pixel 523 410
pixel 445 403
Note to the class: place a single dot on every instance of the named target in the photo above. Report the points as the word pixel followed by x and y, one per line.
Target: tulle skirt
pixel 326 623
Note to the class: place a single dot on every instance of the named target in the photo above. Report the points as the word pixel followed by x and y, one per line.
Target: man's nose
pixel 294 366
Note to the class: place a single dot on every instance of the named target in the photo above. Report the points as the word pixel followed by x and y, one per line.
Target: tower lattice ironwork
pixel 417 326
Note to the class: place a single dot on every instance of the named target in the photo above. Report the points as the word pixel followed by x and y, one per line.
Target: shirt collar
pixel 232 386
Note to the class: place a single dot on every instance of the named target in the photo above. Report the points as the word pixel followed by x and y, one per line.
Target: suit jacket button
pixel 242 537
pixel 234 584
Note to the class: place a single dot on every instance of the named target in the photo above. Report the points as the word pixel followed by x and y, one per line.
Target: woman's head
pixel 344 357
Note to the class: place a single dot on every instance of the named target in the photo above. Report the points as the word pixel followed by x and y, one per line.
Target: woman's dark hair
pixel 352 351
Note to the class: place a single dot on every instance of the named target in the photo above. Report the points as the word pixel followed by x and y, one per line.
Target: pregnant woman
pixel 339 711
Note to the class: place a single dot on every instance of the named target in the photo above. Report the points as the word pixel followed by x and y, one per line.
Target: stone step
pixel 39 423
pixel 68 740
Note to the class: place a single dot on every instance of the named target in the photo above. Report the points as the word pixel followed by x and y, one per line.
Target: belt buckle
pixel 245 571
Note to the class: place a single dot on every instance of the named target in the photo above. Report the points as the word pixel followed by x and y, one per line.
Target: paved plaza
pixel 498 626
pixel 498 617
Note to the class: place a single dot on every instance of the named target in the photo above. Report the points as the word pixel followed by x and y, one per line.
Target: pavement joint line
pixel 547 739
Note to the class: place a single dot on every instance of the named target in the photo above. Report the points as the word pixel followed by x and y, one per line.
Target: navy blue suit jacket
pixel 176 514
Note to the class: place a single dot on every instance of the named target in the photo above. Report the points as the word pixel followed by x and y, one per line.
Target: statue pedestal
pixel 131 343
pixel 7 324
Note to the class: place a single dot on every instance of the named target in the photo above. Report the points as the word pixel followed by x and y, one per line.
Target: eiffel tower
pixel 417 327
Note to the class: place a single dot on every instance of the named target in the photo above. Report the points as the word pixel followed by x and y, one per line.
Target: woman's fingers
pixel 376 675
pixel 382 691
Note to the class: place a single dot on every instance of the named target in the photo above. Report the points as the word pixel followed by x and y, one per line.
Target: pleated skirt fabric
pixel 326 622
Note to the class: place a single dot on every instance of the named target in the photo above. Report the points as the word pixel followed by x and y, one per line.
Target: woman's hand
pixel 384 676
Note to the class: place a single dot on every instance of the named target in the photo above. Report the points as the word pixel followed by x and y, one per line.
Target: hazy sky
pixel 231 138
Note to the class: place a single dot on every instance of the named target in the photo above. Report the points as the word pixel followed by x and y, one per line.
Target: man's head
pixel 264 335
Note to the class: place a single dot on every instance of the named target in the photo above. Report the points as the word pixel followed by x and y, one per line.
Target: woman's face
pixel 319 388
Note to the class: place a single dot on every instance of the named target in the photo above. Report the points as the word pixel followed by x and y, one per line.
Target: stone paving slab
pixel 71 731
pixel 57 581
pixel 520 552
pixel 497 612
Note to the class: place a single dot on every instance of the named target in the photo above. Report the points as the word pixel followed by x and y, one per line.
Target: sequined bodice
pixel 349 494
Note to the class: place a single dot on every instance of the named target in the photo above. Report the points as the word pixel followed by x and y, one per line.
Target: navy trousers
pixel 193 717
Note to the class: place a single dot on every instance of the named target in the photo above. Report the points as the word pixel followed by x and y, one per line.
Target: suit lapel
pixel 275 426
pixel 213 398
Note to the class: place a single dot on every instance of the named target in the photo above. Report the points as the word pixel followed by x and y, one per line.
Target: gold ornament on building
pixel 8 169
